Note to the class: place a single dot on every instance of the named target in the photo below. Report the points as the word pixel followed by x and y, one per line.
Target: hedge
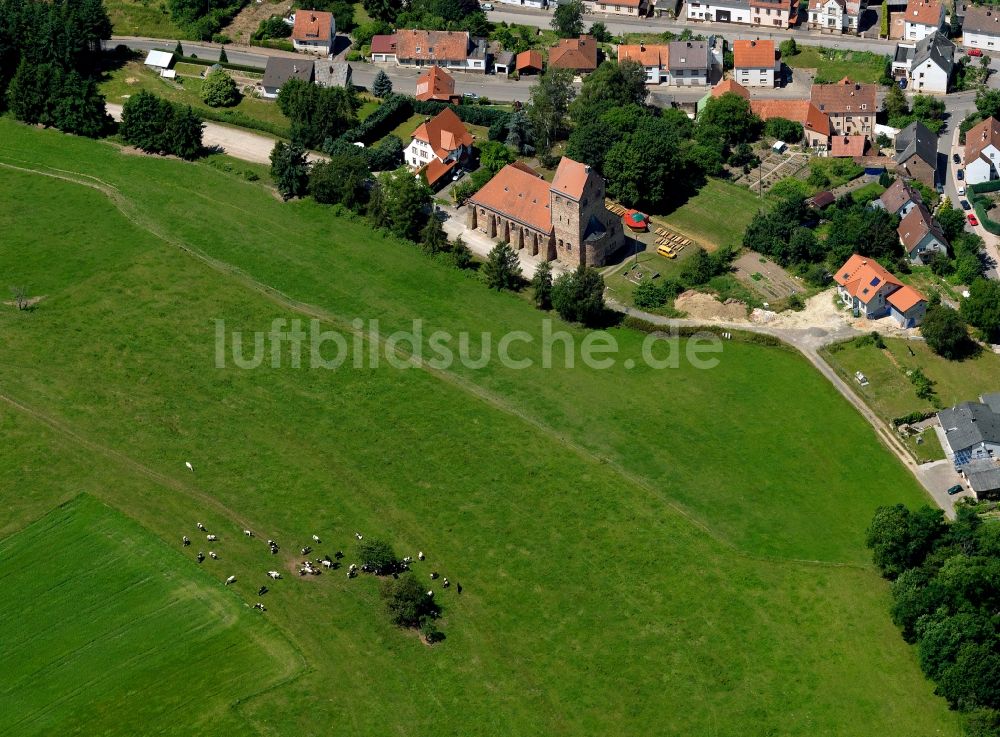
pixel 393 111
pixel 273 43
pixel 687 331
pixel 236 117
pixel 471 114
pixel 913 417
pixel 209 62
pixel 979 203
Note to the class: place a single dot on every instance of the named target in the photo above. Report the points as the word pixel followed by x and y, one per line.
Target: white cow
pixel 230 580
pixel 316 538
pixel 189 466
pixel 212 538
pixel 248 533
pixel 274 574
pixel 211 554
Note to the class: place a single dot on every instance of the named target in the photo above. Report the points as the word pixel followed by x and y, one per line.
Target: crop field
pixel 669 551
pixel 108 631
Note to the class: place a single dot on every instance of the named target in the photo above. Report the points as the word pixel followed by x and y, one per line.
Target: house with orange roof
pixel 529 62
pixel 848 147
pixel 452 50
pixel 566 220
pixel 576 54
pixel 437 85
pixel 922 18
pixel 314 31
pixel 438 146
pixel 756 63
pixel 851 106
pixel 654 58
pixel 634 8
pixel 921 235
pixel 864 286
pixel 982 152
pixel 731 86
pixel 678 63
pixel 815 124
pixel 907 307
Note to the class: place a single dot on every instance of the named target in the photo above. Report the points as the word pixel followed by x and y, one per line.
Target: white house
pixel 679 63
pixel 538 4
pixel 922 18
pixel 314 32
pixel 907 307
pixel 982 152
pixel 921 235
pixel 981 27
pixel 455 51
pixel 438 146
pixel 972 430
pixel 835 16
pixel 756 63
pixel 655 60
pixel 719 11
pixel 635 8
pixel 927 64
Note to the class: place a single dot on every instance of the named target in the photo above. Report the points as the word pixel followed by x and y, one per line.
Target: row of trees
pixel 945 595
pixel 159 126
pixel 49 58
pixel 432 15
pixel 317 114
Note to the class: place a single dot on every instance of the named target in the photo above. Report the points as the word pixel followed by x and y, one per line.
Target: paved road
pixel 617 25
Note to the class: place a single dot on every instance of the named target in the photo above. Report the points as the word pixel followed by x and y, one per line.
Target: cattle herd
pixel 308 566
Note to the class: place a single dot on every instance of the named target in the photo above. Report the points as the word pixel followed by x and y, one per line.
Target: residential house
pixel 577 54
pixel 982 475
pixel 921 235
pixel 539 4
pixel 981 27
pixel 383 49
pixel 972 430
pixel 436 84
pixel 982 151
pixel 815 124
pixel 566 220
pixel 756 63
pixel 851 106
pixel 655 60
pixel 634 8
pixel 864 286
pixel 689 63
pixel 774 13
pixel 836 16
pixel 899 198
pixel 280 69
pixel 719 11
pixel 907 307
pixel 503 62
pixel 314 32
pixel 848 147
pixel 922 18
pixel 916 153
pixel 452 50
pixel 927 64
pixel 438 146
pixel 727 86
pixel 529 62
pixel 328 73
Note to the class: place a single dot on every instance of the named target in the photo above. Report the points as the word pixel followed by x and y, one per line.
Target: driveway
pixel 992 242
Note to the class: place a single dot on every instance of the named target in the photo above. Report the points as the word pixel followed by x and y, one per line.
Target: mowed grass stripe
pixel 96 614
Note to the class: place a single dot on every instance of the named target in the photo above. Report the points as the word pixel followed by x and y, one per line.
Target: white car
pixel 961 191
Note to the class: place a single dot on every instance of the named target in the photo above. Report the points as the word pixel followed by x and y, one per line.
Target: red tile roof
pixel 905 298
pixel 863 277
pixel 579 54
pixel 435 169
pixel 729 85
pixel 384 44
pixel 518 195
pixel 648 56
pixel 435 84
pixel 753 54
pixel 924 12
pixel 844 146
pixel 444 132
pixel 528 60
pixel 801 111
pixel 571 178
pixel 980 136
pixel 312 25
pixel 432 45
pixel 845 97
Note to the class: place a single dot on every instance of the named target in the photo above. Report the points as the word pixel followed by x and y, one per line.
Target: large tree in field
pixel 289 169
pixel 578 296
pixel 982 308
pixel 567 21
pixel 502 269
pixel 548 108
pixel 946 332
pixel 219 89
pixel 402 202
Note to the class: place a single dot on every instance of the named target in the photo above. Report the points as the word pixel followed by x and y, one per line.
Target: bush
pixel 406 601
pixel 579 296
pixel 219 90
pixel 430 631
pixel 650 295
pixel 273 27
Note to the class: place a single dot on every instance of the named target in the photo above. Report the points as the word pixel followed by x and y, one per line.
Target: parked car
pixel 965 205
pixel 972 219
pixel 902 84
pixel 956 489
pixel 487 6
pixel 960 174
pixel 961 191
pixel 975 52
pixel 956 158
pixel 939 188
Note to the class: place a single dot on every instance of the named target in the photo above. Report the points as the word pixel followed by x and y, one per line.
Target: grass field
pixel 890 392
pixel 134 77
pixel 633 543
pixel 111 632
pixel 718 214
pixel 142 18
pixel 835 64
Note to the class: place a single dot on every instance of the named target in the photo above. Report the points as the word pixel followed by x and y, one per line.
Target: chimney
pixel 642 46
pixel 753 44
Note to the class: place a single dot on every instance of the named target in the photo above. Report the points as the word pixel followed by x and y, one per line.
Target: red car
pixel 975 52
pixel 972 219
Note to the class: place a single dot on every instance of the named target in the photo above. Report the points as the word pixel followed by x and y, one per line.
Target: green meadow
pixel 671 551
